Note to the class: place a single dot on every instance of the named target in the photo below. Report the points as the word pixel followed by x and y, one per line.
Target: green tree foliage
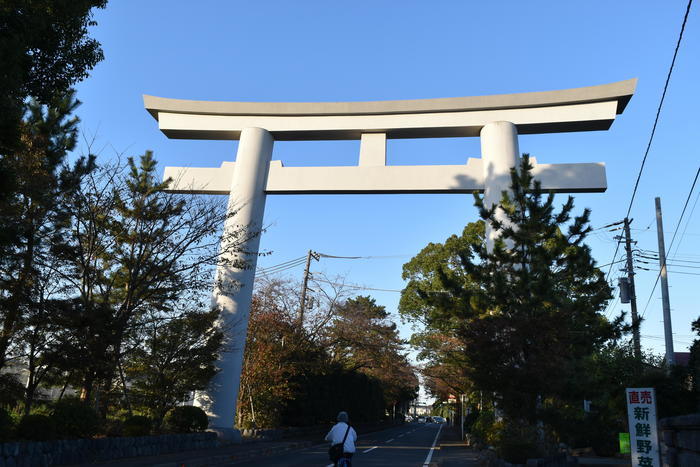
pixel 694 364
pixel 134 252
pixel 7 425
pixel 36 427
pixel 324 394
pixel 186 419
pixel 44 50
pixel 137 425
pixel 176 357
pixel 36 218
pixel 526 316
pixel 74 419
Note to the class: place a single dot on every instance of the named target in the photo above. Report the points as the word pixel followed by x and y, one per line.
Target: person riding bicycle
pixel 343 433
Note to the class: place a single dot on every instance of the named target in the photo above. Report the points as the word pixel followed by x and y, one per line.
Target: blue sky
pixel 380 50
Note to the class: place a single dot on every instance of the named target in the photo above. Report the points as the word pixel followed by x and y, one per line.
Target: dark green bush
pixel 36 427
pixel 481 428
pixel 6 425
pixel 185 419
pixel 137 425
pixel 113 427
pixel 515 441
pixel 470 419
pixel 74 419
pixel 11 390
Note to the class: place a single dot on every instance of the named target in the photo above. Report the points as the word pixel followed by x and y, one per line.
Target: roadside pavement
pixel 453 451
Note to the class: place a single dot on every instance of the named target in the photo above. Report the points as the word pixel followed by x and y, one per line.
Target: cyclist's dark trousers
pixel 348 456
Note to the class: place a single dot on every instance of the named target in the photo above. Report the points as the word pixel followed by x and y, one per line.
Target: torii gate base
pixel 496 119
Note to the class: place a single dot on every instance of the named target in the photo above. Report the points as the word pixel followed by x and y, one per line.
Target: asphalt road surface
pixel 410 445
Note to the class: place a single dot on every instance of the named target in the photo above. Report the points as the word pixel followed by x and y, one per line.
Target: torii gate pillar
pixel 235 274
pixel 499 154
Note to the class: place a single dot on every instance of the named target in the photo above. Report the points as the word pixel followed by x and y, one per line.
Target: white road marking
pixel 432 448
pixel 365 452
pixel 330 465
pixel 401 435
pixel 390 440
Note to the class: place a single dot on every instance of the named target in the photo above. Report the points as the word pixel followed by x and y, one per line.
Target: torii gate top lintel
pixel 578 109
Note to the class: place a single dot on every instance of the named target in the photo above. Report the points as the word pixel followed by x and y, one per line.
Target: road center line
pixel 390 440
pixel 432 448
pixel 365 452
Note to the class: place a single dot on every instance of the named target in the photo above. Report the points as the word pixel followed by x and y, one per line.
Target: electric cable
pixel 656 120
pixel 355 286
pixel 690 216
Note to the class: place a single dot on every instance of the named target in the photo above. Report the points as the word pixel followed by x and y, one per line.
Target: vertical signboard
pixel 644 439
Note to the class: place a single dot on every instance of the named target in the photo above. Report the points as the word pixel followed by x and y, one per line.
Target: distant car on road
pixel 421 419
pixel 429 420
pixel 439 420
pixel 408 419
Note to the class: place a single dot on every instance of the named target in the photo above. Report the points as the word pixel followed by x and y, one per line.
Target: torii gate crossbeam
pixel 497 120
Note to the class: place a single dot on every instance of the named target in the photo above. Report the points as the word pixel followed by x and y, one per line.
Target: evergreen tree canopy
pixel 527 313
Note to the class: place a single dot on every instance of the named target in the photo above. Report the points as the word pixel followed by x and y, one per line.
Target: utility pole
pixel 632 293
pixel 668 333
pixel 305 283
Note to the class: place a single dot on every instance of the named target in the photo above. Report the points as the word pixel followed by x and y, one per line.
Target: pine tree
pixel 35 216
pixel 527 313
pixel 135 251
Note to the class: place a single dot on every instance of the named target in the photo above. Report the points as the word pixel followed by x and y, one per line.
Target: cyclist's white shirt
pixel 336 434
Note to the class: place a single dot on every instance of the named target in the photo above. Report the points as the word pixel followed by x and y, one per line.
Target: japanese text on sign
pixel 644 440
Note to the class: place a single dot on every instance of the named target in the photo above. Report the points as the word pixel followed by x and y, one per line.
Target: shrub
pixel 74 419
pixel 36 427
pixel 185 419
pixel 113 427
pixel 11 390
pixel 515 441
pixel 470 419
pixel 137 425
pixel 482 427
pixel 6 425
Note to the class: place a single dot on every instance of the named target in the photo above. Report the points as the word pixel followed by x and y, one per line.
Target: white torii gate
pixel 496 119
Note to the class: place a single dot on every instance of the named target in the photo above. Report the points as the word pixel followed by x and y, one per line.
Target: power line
pixel 675 272
pixel 658 111
pixel 656 121
pixel 356 286
pixel 323 255
pixel 690 216
pixel 280 267
pixel 614 262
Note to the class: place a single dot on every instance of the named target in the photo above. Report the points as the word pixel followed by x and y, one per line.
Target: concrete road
pixel 410 445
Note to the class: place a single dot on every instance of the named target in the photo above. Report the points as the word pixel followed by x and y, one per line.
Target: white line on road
pixel 390 440
pixel 400 435
pixel 432 448
pixel 365 452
